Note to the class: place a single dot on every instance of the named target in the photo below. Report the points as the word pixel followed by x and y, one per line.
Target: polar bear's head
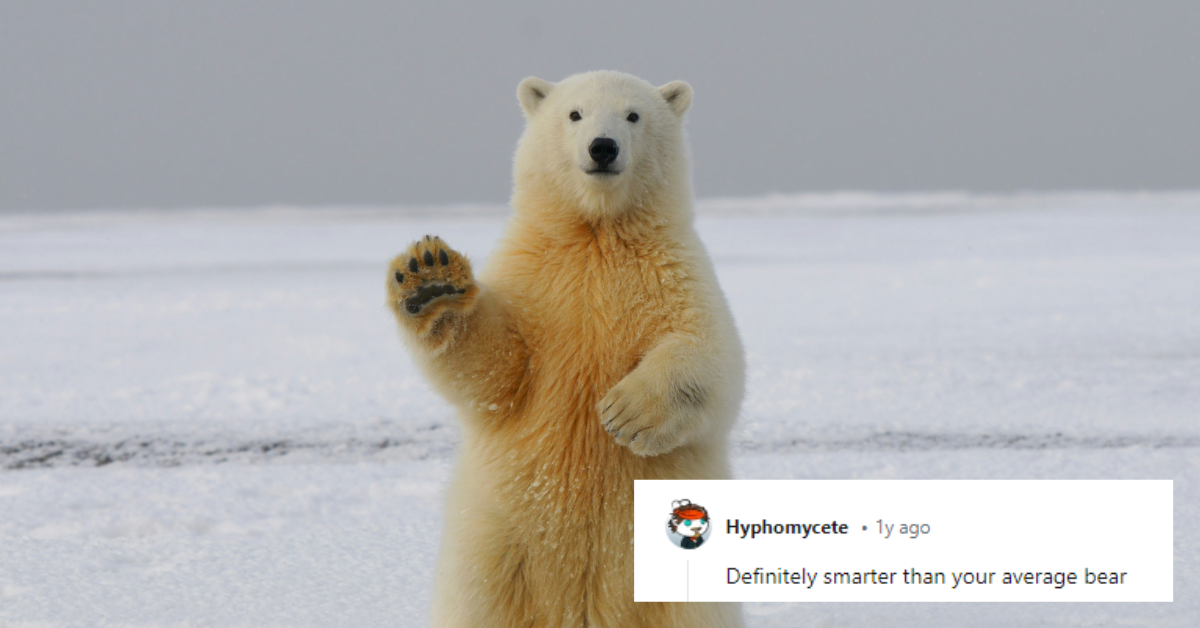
pixel 602 143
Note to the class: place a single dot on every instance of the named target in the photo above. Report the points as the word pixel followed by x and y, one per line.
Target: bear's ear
pixel 678 96
pixel 531 92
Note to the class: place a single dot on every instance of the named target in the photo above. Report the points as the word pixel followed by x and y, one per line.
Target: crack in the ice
pixel 919 441
pixel 168 452
pixel 33 453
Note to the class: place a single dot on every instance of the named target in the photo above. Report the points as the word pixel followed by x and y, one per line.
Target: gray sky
pixel 166 104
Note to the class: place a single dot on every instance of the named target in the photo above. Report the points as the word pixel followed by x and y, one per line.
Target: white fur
pixel 596 348
pixel 553 153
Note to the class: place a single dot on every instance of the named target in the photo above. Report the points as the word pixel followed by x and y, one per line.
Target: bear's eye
pixel 687 522
pixel 633 117
pixel 575 117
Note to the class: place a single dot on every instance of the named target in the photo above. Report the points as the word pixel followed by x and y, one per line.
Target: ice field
pixel 207 417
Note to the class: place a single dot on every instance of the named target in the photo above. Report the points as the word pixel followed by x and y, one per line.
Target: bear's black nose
pixel 604 150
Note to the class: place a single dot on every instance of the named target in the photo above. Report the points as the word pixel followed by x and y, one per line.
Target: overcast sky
pixel 144 103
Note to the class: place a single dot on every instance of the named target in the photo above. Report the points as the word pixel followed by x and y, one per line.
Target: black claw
pixel 443 258
pixel 399 277
pixel 428 258
pixel 412 265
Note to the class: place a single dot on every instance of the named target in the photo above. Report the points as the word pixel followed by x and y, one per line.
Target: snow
pixel 207 417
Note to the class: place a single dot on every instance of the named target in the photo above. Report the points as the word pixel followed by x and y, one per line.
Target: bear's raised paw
pixel 429 277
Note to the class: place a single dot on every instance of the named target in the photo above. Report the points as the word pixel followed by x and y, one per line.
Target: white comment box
pixel 904 541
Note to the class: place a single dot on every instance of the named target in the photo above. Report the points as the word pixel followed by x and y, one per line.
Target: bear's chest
pixel 595 312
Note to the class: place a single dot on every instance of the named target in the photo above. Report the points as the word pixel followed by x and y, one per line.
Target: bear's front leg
pixel 673 396
pixel 462 334
pixel 427 282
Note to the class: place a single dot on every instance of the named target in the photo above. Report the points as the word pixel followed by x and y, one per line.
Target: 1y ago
pixel 911 530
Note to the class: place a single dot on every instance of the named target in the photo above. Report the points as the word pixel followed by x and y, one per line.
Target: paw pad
pixel 425 294
pixel 428 271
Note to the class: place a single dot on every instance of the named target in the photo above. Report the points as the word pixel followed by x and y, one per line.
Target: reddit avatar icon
pixel 688 526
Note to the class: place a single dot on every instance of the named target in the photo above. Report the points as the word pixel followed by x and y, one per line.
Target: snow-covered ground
pixel 207 418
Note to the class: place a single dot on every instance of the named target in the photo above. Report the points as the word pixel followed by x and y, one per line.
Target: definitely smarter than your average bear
pixel 594 348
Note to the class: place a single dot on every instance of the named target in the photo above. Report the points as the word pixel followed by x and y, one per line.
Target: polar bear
pixel 595 348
